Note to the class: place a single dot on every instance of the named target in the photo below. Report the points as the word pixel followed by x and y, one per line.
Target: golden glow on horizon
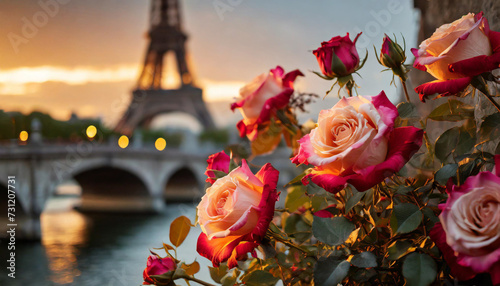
pixel 27 80
pixel 91 131
pixel 23 136
pixel 123 141
pixel 160 144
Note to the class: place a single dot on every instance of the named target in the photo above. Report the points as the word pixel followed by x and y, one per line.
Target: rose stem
pixel 286 242
pixel 492 101
pixel 405 89
pixel 187 277
pixel 426 138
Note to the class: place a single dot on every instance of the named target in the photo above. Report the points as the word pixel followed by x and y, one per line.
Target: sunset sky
pixel 84 56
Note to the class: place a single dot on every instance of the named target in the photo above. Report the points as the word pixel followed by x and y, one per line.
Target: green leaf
pixel 332 231
pixel 230 278
pixel 179 229
pixel 354 198
pixel 330 271
pixel 363 275
pixel 296 198
pixel 405 218
pixel 446 143
pixel 260 277
pixel 313 189
pixel 490 128
pixel 364 260
pixel 444 174
pixel 453 110
pixel 296 227
pixel 217 273
pixel 407 110
pixel 419 269
pixel 398 249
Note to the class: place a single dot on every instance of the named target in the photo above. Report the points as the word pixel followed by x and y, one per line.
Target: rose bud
pixel 338 57
pixel 157 266
pixel 455 54
pixel 356 143
pixel 235 213
pixel 393 56
pixel 468 233
pixel 217 162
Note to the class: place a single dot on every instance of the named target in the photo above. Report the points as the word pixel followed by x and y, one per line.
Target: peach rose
pixel 455 53
pixel 235 213
pixel 267 93
pixel 355 142
pixel 469 229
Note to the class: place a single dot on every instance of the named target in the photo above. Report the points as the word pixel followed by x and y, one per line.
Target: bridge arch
pixel 183 183
pixel 112 188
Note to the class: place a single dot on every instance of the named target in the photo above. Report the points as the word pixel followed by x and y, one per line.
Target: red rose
pixel 456 53
pixel 356 143
pixel 262 97
pixel 393 57
pixel 157 266
pixel 235 213
pixel 338 57
pixel 468 234
pixel 218 162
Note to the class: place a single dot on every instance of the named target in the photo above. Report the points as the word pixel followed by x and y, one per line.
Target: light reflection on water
pixel 62 235
pixel 96 249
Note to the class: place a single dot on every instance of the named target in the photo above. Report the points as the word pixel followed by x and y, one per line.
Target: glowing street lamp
pixel 23 136
pixel 160 144
pixel 123 141
pixel 91 131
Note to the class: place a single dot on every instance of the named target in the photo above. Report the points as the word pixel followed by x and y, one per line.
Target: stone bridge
pixel 135 179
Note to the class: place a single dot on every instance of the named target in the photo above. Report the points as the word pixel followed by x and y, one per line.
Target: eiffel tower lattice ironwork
pixel 150 99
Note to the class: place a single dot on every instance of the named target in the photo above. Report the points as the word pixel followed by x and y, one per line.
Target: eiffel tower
pixel 150 99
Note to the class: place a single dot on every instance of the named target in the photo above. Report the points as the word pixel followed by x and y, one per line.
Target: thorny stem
pixel 405 89
pixel 191 278
pixel 426 138
pixel 272 235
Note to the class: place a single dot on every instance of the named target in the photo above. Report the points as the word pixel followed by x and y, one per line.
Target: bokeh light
pixel 23 136
pixel 91 131
pixel 160 144
pixel 123 141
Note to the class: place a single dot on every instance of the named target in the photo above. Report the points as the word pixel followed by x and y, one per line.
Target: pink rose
pixel 235 213
pixel 455 53
pixel 338 57
pixel 217 162
pixel 356 143
pixel 267 93
pixel 469 232
pixel 157 266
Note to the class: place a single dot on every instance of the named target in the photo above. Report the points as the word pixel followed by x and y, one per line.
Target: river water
pixel 96 249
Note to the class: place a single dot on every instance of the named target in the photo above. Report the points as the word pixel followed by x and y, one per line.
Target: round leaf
pixel 332 231
pixel 364 260
pixel 179 229
pixel 419 269
pixel 405 218
pixel 330 271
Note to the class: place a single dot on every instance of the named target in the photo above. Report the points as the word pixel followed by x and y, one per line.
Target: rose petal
pixel 442 87
pixel 219 162
pixel 438 235
pixel 476 65
pixel 217 250
pixel 403 143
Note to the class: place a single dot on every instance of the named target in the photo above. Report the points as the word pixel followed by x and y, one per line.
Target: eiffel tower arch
pixel 150 99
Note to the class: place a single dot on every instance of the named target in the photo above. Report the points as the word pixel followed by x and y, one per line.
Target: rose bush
pixel 261 98
pixel 356 143
pixel 235 213
pixel 455 53
pixel 469 230
pixel 157 266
